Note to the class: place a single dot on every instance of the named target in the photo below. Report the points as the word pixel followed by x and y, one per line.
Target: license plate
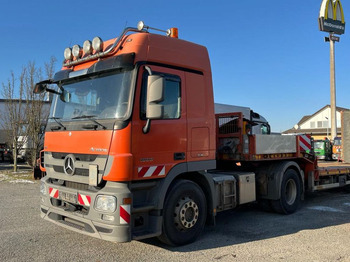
pixel 72 198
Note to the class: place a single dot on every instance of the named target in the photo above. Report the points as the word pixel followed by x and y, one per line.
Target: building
pixel 318 124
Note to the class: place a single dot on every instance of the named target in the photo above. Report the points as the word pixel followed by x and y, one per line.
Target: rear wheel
pixel 184 213
pixel 290 193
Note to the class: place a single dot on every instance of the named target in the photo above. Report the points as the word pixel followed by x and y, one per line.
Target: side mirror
pixel 65 96
pixel 155 95
pixel 41 87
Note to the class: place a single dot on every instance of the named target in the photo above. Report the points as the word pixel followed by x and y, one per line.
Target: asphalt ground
pixel 319 231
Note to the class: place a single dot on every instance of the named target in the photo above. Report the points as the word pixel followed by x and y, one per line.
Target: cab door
pixel 165 145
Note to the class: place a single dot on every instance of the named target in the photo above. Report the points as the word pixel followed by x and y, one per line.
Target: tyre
pixel 290 193
pixel 184 213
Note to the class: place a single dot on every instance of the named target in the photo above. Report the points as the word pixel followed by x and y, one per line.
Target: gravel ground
pixel 319 231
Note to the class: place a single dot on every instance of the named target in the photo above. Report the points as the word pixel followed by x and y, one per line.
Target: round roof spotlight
pixel 87 47
pixel 97 44
pixel 77 51
pixel 140 25
pixel 68 54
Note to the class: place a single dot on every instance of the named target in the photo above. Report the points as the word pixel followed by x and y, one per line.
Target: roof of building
pixel 306 118
pixel 315 130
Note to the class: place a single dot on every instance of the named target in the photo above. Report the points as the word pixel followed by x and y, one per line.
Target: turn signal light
pixel 174 32
pixel 127 201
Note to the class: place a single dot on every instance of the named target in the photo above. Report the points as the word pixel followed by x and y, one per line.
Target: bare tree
pixel 25 114
pixel 13 117
pixel 35 111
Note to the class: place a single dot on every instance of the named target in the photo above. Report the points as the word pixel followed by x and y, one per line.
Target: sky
pixel 266 55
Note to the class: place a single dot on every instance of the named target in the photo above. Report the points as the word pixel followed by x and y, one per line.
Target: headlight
pixel 43 189
pixel 106 203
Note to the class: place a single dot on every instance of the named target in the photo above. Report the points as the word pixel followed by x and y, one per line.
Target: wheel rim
pixel 291 192
pixel 186 213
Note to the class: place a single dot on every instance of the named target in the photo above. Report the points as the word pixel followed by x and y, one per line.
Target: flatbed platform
pixel 329 174
pixel 333 164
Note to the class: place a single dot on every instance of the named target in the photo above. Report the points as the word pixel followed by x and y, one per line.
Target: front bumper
pixel 85 218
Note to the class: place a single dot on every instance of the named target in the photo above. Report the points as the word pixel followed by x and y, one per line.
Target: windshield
pixel 337 142
pixel 319 145
pixel 101 97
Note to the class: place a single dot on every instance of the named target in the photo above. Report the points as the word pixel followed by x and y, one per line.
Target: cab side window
pixel 172 96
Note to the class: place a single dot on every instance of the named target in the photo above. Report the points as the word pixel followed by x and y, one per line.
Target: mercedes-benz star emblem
pixel 69 167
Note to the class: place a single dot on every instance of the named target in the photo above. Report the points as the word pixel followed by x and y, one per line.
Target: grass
pixel 21 176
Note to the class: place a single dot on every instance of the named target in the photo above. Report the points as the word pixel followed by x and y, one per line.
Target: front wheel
pixel 290 193
pixel 184 214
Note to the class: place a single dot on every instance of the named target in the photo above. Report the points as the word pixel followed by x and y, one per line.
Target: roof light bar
pixel 97 45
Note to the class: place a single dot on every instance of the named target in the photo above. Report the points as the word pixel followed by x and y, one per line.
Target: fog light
pixel 43 189
pixel 108 217
pixel 106 203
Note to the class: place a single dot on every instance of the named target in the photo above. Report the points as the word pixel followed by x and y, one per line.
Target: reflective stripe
pixel 84 200
pixel 151 171
pixel 124 214
pixel 53 192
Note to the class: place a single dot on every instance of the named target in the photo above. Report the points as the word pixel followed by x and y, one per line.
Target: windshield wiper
pixel 58 122
pixel 91 118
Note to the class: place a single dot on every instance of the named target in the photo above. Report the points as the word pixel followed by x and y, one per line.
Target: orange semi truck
pixel 133 148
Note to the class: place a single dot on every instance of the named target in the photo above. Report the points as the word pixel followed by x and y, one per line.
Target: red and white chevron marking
pixel 53 192
pixel 151 171
pixel 304 142
pixel 84 200
pixel 124 214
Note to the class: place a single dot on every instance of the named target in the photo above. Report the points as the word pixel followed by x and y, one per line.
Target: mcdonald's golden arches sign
pixel 331 17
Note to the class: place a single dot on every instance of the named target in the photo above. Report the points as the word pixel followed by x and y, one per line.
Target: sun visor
pixel 115 62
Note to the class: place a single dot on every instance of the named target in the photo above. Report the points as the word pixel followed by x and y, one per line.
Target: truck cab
pixel 323 149
pixel 337 149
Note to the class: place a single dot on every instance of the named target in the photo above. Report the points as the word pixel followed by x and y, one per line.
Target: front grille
pixel 78 171
pixel 81 172
pixel 81 163
pixel 75 185
pixel 58 169
pixel 79 157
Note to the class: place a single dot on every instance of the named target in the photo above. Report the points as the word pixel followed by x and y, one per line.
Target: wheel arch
pixel 201 178
pixel 275 174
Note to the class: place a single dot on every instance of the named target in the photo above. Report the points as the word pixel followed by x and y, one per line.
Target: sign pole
pixel 331 20
pixel 332 84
